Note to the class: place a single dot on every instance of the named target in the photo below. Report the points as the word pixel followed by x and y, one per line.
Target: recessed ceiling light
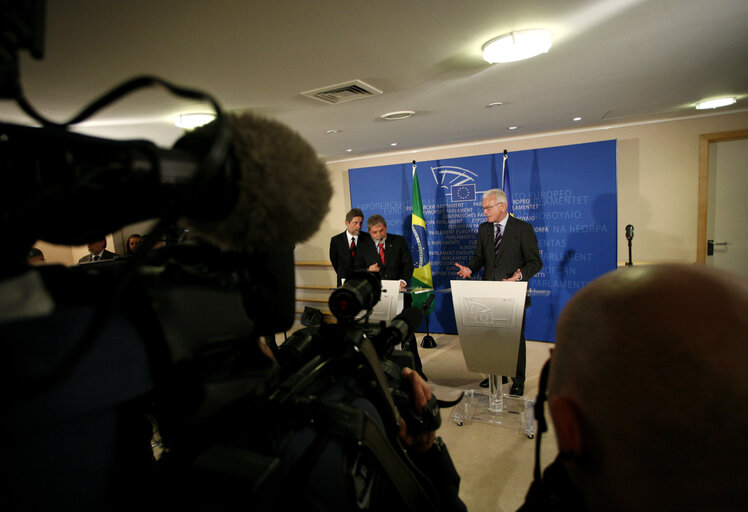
pixel 512 127
pixel 349 150
pixel 396 116
pixel 193 120
pixel 715 103
pixel 330 132
pixel 518 45
pixel 494 104
pixel 577 119
pixel 393 143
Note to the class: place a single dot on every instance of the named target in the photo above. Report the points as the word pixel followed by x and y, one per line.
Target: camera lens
pixel 360 292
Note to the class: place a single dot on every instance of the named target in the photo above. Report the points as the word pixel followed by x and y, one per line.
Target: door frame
pixel 704 140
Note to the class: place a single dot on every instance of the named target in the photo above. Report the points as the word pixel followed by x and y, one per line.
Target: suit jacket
pixel 340 253
pixel 106 255
pixel 398 265
pixel 518 250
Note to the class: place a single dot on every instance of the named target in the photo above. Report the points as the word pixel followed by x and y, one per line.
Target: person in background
pixel 344 246
pixel 648 390
pixel 388 256
pixel 97 252
pixel 133 242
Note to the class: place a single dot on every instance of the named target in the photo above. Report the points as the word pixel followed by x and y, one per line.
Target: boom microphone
pixel 264 185
pixel 68 188
pixel 283 188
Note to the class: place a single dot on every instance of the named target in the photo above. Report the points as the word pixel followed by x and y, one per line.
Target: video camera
pixel 98 354
pixel 351 304
pixel 232 424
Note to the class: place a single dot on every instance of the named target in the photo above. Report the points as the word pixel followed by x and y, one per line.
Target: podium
pixel 391 302
pixel 489 321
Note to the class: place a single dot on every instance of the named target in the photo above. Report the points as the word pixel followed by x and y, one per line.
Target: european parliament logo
pixel 458 183
pixel 463 192
pixel 488 312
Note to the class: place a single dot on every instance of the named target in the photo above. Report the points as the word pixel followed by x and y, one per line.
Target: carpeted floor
pixel 494 461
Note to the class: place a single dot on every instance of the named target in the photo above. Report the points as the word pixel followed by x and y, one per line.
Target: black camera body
pixel 358 295
pixel 232 423
pixel 336 344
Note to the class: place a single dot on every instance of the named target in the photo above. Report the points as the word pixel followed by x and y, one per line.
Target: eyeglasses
pixel 489 207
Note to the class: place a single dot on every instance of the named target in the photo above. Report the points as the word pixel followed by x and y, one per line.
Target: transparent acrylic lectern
pixel 489 321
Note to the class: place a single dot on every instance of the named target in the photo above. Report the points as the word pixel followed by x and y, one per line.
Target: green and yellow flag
pixel 421 280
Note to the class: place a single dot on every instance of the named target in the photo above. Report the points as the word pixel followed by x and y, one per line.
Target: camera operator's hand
pixel 422 441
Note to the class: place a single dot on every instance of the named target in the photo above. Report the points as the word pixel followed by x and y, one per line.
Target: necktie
pixel 497 240
pixel 353 247
pixel 381 252
pixel 95 258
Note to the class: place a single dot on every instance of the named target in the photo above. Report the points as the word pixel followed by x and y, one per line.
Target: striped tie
pixel 497 240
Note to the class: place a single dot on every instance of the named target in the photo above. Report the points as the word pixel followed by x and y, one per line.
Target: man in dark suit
pixel 97 252
pixel 389 256
pixel 344 246
pixel 507 250
pixel 386 254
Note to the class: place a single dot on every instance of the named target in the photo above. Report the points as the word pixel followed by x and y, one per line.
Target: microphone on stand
pixel 629 236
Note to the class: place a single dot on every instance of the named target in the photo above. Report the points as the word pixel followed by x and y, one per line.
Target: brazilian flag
pixel 422 273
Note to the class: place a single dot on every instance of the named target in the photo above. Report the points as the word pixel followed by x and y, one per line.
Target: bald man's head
pixel 648 386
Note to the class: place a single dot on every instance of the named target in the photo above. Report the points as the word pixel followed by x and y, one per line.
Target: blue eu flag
pixel 463 192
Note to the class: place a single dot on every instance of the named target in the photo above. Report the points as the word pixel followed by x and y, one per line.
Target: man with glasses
pixel 507 250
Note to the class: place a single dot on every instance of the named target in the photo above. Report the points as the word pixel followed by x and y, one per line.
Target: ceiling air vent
pixel 347 91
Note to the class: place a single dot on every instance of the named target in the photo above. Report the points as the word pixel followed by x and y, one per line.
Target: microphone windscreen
pixel 284 189
pixel 629 231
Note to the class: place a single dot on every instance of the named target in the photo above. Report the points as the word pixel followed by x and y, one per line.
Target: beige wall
pixel 658 169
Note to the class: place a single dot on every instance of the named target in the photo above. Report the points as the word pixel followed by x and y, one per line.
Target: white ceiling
pixel 612 61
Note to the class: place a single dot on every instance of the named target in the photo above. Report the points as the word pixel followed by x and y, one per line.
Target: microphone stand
pixel 629 263
pixel 629 237
pixel 428 340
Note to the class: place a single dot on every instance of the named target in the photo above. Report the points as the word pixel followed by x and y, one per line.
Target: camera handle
pixel 366 349
pixel 353 423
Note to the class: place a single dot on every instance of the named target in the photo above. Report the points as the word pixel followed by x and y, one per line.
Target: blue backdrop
pixel 567 193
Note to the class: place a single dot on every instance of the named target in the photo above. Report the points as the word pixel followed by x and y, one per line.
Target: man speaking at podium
pixel 507 250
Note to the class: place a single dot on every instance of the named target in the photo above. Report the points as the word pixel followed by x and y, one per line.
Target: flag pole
pixel 503 169
pixel 428 340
